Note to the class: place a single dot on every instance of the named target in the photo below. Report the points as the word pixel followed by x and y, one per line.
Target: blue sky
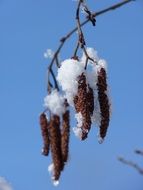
pixel 27 29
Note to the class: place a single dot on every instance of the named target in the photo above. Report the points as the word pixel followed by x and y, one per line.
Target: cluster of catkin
pixel 84 103
pixel 90 100
pixel 55 133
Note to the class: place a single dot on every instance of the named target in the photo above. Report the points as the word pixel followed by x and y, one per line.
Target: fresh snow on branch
pixel 68 77
pixel 55 102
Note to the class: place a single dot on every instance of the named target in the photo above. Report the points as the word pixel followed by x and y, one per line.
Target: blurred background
pixel 27 29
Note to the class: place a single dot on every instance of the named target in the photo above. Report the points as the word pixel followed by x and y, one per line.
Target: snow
pixel 91 77
pixel 79 118
pixel 51 168
pixel 96 117
pixel 77 130
pixel 51 171
pixel 100 139
pixel 92 53
pixel 55 102
pixel 55 182
pixel 102 64
pixel 49 54
pixel 67 77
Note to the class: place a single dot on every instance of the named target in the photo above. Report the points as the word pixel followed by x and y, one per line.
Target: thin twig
pixel 81 39
pixel 50 71
pixel 80 33
pixel 132 164
pixel 68 35
pixel 75 51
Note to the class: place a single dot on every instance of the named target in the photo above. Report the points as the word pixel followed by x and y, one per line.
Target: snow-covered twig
pixel 69 34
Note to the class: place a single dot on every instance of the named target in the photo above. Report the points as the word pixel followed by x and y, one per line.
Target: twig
pixel 64 39
pixel 132 164
pixel 140 152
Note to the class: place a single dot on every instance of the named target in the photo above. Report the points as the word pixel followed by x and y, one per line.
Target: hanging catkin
pixel 55 142
pixel 82 105
pixel 65 133
pixel 103 102
pixel 90 100
pixel 45 134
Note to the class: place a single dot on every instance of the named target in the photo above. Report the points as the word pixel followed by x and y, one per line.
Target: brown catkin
pixel 82 106
pixel 55 142
pixel 65 135
pixel 45 134
pixel 90 100
pixel 103 102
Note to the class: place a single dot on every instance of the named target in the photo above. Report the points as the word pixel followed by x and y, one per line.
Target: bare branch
pixel 91 17
pixel 132 164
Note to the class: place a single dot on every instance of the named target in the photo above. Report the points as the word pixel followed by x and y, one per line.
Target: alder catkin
pixel 55 142
pixel 82 105
pixel 65 135
pixel 103 102
pixel 90 100
pixel 45 134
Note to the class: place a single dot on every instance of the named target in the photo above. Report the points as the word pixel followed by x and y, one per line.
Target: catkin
pixel 82 105
pixel 55 140
pixel 45 134
pixel 65 133
pixel 90 100
pixel 103 102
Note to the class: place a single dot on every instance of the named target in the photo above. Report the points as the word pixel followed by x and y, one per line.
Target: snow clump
pixel 55 102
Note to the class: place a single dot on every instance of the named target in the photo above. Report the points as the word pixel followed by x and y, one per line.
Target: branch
pixel 140 152
pixel 68 35
pixel 132 164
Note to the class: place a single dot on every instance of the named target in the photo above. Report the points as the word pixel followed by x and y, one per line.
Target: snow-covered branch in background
pixel 78 83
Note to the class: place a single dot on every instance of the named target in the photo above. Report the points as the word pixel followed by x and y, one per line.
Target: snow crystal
pixel 55 102
pixel 49 54
pixel 92 53
pixel 67 77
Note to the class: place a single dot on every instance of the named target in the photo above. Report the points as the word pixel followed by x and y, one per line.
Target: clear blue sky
pixel 27 29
